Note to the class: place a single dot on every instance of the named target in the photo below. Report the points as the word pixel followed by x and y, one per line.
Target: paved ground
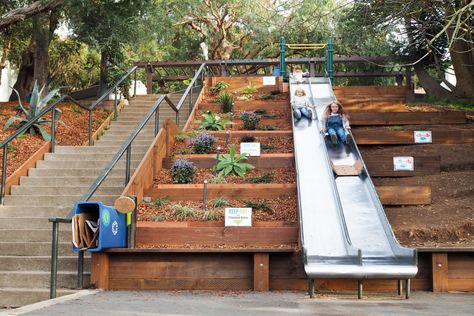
pixel 250 303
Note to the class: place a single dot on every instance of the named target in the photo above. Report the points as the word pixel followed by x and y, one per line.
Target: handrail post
pixel 54 261
pixel 191 99
pixel 4 173
pixel 135 81
pixel 90 127
pixel 157 120
pixel 80 269
pixel 177 118
pixel 53 128
pixel 127 163
pixel 115 104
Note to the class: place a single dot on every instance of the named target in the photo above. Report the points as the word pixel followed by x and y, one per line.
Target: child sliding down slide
pixel 300 105
pixel 334 121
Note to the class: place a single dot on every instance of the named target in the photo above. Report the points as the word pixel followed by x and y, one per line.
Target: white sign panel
pixel 235 216
pixel 403 163
pixel 269 81
pixel 251 149
pixel 423 137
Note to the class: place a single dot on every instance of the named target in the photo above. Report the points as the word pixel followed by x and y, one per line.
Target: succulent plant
pixel 232 163
pixel 212 122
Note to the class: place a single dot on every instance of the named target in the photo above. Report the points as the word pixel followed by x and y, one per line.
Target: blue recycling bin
pixel 111 225
pixel 276 71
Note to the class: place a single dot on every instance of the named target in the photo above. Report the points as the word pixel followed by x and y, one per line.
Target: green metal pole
pixel 282 59
pixel 330 60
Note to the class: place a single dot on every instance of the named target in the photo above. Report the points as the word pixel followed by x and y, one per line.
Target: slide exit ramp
pixel 344 231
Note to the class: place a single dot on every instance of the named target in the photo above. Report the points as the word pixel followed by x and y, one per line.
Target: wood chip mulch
pixel 280 175
pixel 280 209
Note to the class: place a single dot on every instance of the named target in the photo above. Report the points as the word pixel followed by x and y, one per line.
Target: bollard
pixel 204 195
pixel 227 134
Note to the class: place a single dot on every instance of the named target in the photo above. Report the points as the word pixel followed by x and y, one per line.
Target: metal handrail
pixel 108 92
pixel 125 148
pixel 25 127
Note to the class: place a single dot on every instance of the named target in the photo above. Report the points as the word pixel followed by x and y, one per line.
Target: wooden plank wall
pixel 388 137
pixel 360 118
pixel 238 83
pixel 369 91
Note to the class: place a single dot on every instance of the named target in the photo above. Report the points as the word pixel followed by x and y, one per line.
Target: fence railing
pixel 125 148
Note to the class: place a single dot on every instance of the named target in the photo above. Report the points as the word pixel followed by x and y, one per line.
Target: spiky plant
pixel 37 104
pixel 232 163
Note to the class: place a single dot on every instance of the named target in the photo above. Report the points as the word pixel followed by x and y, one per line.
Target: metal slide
pixel 343 227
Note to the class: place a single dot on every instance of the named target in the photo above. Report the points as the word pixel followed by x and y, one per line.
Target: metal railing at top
pixel 106 95
pixel 4 144
pixel 125 148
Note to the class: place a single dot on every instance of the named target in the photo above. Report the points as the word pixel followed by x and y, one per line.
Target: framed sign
pixel 403 163
pixel 251 149
pixel 269 81
pixel 238 216
pixel 423 137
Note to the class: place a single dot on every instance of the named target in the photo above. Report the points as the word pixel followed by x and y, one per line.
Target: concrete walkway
pixel 251 303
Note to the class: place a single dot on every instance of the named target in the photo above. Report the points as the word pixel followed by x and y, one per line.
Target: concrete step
pixel 15 297
pixel 92 164
pixel 41 190
pixel 35 248
pixel 68 181
pixel 41 263
pixel 54 200
pixel 34 211
pixel 136 154
pixel 94 149
pixel 40 279
pixel 76 172
pixel 30 235
pixel 29 223
pixel 107 143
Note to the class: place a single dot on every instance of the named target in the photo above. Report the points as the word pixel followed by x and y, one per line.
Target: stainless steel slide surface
pixel 343 228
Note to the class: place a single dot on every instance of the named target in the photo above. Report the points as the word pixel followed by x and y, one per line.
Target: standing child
pixel 300 105
pixel 297 75
pixel 335 120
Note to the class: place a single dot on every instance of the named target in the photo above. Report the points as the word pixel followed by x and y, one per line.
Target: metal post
pixel 135 86
pixel 53 128
pixel 133 224
pixel 312 69
pixel 54 262
pixel 400 287
pixel 407 288
pixel 80 269
pixel 127 164
pixel 4 173
pixel 330 65
pixel 282 58
pixel 115 104
pixel 359 289
pixel 177 118
pixel 157 120
pixel 227 134
pixel 311 287
pixel 204 194
pixel 90 127
pixel 217 160
pixel 191 99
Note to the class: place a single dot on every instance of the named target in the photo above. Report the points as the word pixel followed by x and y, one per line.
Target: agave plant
pixel 232 163
pixel 37 104
pixel 212 122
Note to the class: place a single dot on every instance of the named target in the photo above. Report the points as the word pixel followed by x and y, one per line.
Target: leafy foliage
pixel 183 211
pixel 158 217
pixel 266 178
pixel 212 122
pixel 203 143
pixel 37 104
pixel 219 87
pixel 211 215
pixel 247 139
pixel 219 202
pixel 232 163
pixel 226 102
pixel 249 89
pixel 250 119
pixel 183 171
pixel 267 97
pixel 264 206
pixel 218 179
pixel 161 201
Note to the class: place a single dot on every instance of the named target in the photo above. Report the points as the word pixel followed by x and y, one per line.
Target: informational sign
pixel 423 137
pixel 238 216
pixel 269 81
pixel 403 163
pixel 251 149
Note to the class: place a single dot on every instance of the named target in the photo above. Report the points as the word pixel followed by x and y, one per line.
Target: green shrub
pixel 219 202
pixel 267 128
pixel 182 152
pixel 264 206
pixel 275 92
pixel 77 109
pixel 267 97
pixel 247 139
pixel 210 215
pixel 212 122
pixel 220 86
pixel 183 211
pixel 250 89
pixel 161 201
pixel 244 98
pixel 232 163
pixel 265 146
pixel 226 102
pixel 260 111
pixel 203 143
pixel 10 147
pixel 182 171
pixel 158 218
pixel 218 179
pixel 266 178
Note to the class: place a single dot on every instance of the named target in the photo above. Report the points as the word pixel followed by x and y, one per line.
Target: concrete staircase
pixel 50 190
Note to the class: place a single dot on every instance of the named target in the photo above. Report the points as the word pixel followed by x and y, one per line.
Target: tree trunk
pixel 104 60
pixel 462 57
pixel 41 38
pixel 25 81
pixel 431 86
